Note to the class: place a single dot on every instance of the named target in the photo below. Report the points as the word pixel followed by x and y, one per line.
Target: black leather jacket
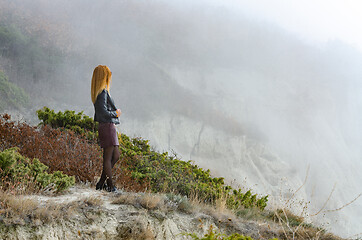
pixel 105 110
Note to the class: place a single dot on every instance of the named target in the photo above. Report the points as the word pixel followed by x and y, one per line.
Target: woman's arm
pixel 113 106
pixel 101 110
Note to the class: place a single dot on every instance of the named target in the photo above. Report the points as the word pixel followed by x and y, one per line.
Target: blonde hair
pixel 101 79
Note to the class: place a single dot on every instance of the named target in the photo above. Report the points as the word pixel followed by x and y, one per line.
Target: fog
pixel 243 97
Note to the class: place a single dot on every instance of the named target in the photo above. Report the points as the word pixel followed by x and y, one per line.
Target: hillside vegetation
pixel 158 172
pixel 66 145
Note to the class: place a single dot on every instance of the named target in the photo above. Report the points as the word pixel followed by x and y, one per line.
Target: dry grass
pixel 128 199
pixel 148 234
pixel 135 230
pixel 285 224
pixel 93 201
pixel 16 209
pixel 146 200
pixel 219 210
pixel 308 233
pixel 151 201
pixel 293 226
pixel 21 210
pixel 220 204
pixel 187 207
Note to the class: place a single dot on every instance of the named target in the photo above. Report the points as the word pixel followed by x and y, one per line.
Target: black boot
pixel 112 189
pixel 100 186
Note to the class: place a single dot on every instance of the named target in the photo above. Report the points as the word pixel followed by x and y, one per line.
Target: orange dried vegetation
pixel 62 150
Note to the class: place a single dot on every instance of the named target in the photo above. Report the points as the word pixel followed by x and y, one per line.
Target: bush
pixel 20 173
pixel 158 172
pixel 62 150
pixel 77 122
pixel 59 150
pixel 68 119
pixel 168 174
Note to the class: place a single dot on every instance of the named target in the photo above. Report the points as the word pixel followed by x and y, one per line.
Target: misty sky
pixel 312 20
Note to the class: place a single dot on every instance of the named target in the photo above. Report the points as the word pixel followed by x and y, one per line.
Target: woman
pixel 107 115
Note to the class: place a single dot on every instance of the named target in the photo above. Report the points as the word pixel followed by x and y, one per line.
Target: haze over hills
pixel 241 97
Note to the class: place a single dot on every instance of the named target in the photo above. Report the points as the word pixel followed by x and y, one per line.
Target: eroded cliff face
pixel 84 213
pixel 305 176
pixel 242 161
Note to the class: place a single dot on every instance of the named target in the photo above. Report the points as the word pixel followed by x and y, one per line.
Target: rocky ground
pixel 84 213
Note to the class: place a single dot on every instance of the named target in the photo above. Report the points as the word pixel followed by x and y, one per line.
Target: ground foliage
pixel 59 150
pixel 160 172
pixel 19 173
pixel 62 150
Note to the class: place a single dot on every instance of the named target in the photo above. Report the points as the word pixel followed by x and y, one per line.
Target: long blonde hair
pixel 101 79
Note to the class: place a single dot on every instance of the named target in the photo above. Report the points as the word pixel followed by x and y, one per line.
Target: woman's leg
pixel 115 156
pixel 107 167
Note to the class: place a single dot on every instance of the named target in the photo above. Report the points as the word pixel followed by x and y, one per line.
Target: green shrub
pixel 77 122
pixel 20 172
pixel 11 96
pixel 168 174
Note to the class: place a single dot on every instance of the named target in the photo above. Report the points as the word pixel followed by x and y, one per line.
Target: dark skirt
pixel 107 134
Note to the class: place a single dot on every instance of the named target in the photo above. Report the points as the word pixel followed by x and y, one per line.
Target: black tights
pixel 110 158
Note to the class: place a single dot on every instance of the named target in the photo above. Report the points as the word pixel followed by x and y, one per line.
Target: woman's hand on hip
pixel 118 111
